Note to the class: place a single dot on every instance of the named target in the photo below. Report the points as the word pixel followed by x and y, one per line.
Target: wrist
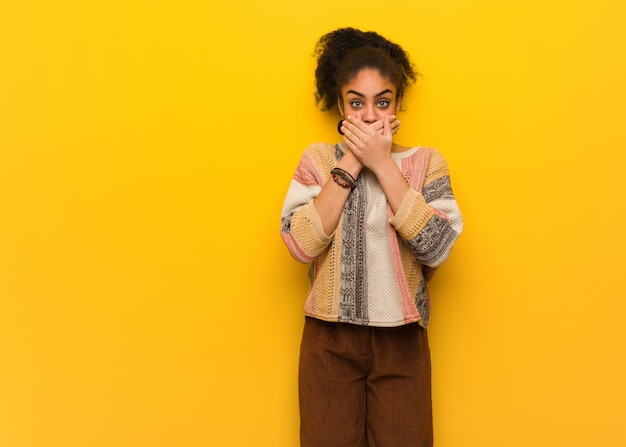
pixel 343 178
pixel 388 172
pixel 383 167
pixel 350 163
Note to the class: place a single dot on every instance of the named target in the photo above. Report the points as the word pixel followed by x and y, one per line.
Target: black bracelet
pixel 343 178
pixel 344 173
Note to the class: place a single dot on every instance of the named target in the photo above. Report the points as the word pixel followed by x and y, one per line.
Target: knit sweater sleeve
pixel 429 220
pixel 301 225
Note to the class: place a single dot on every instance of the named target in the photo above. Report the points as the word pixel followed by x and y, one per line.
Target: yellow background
pixel 146 298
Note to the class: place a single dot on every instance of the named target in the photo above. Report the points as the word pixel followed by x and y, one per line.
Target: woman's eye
pixel 383 103
pixel 356 104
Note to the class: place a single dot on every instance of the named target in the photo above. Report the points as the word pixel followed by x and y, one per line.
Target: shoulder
pixel 316 162
pixel 437 166
pixel 320 148
pixel 323 153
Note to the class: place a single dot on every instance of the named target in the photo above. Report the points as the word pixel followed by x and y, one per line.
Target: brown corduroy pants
pixel 361 384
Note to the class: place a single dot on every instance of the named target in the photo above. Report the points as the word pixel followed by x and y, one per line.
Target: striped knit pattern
pixel 373 270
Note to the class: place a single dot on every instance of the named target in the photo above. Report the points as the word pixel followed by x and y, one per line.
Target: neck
pixel 399 148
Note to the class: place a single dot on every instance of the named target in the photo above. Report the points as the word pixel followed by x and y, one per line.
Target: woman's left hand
pixel 369 145
pixel 380 125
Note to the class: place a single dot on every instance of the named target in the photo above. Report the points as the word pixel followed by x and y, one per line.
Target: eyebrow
pixel 354 92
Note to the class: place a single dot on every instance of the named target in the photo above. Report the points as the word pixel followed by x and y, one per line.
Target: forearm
pixel 332 198
pixel 430 221
pixel 393 183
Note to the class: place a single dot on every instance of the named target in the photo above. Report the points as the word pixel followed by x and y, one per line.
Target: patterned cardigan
pixel 374 268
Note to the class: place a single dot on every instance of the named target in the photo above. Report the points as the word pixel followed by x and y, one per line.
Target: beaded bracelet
pixel 345 174
pixel 341 182
pixel 343 178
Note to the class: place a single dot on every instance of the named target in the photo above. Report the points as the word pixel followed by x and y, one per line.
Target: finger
pixel 395 126
pixel 348 129
pixel 350 125
pixel 349 136
pixel 387 126
pixel 358 124
pixel 379 125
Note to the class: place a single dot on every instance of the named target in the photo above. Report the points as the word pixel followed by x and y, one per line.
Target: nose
pixel 369 115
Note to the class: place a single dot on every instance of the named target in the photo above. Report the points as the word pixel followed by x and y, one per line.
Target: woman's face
pixel 369 94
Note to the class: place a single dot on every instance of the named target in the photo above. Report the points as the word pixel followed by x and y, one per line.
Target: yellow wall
pixel 145 149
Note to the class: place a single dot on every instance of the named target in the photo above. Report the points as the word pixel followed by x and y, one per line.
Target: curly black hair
pixel 342 53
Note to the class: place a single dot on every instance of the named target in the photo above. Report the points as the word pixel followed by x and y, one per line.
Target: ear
pixel 398 105
pixel 340 105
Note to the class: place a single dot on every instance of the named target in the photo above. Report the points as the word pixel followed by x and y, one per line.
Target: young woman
pixel 374 219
